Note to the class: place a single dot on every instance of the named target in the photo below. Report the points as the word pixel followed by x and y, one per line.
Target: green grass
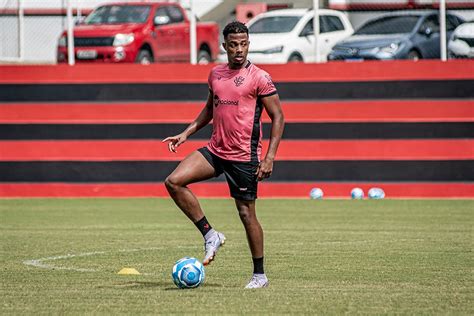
pixel 322 257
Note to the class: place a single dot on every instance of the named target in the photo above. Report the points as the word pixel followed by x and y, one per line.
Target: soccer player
pixel 238 92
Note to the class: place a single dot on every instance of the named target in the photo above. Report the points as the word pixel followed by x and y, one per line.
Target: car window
pixel 333 23
pixel 274 24
pixel 308 28
pixel 161 12
pixel 114 14
pixel 451 22
pixel 175 14
pixel 432 23
pixel 389 25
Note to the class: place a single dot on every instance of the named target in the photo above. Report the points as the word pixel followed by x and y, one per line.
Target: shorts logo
pixel 218 101
pixel 243 189
pixel 239 80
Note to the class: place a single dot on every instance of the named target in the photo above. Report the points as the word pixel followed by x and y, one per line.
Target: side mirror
pixel 80 20
pixel 426 31
pixel 161 20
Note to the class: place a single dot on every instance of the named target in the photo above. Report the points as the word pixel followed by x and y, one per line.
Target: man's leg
pixel 194 168
pixel 255 239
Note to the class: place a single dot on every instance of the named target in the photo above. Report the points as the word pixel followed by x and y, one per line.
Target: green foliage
pixel 322 257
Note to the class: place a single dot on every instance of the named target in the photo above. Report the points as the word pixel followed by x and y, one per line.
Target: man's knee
pixel 246 212
pixel 172 183
pixel 245 216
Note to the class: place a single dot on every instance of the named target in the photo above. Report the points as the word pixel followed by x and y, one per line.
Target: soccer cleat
pixel 258 281
pixel 211 246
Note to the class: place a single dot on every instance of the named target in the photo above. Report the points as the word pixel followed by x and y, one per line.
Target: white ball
pixel 376 193
pixel 316 193
pixel 357 194
pixel 188 273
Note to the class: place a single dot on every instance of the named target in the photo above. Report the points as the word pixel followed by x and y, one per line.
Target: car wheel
pixel 413 55
pixel 295 58
pixel 203 58
pixel 144 57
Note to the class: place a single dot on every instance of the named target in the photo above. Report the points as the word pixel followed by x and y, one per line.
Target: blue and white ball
pixel 357 194
pixel 376 194
pixel 316 194
pixel 188 273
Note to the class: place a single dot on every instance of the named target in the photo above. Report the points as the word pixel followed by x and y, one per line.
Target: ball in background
pixel 316 193
pixel 357 194
pixel 376 193
pixel 188 273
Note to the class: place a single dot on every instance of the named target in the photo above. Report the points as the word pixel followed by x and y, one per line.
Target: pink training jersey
pixel 237 109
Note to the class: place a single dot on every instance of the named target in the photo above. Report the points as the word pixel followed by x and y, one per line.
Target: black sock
pixel 258 265
pixel 203 225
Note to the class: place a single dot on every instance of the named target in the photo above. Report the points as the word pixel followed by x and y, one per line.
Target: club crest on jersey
pixel 239 80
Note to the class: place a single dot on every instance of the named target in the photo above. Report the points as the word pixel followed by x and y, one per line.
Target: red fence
pixel 95 130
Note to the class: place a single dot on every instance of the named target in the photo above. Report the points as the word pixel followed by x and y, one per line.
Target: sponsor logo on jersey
pixel 218 101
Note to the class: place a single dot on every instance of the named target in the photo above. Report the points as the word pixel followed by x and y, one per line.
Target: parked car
pixel 461 44
pixel 142 32
pixel 401 35
pixel 282 36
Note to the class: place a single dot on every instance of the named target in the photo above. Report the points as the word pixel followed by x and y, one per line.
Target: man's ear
pixel 224 46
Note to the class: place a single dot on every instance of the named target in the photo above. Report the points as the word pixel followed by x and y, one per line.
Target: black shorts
pixel 240 176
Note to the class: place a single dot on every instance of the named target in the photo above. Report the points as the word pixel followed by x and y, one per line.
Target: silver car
pixel 401 35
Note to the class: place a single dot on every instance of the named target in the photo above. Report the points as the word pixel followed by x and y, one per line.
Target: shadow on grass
pixel 147 284
pixel 213 285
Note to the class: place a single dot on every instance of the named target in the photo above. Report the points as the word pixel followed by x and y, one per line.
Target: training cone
pixel 128 271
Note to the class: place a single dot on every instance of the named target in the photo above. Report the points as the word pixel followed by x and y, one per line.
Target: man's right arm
pixel 202 120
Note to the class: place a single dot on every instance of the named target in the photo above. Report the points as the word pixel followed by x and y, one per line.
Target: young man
pixel 238 91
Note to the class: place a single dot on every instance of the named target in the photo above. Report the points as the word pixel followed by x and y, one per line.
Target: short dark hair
pixel 234 28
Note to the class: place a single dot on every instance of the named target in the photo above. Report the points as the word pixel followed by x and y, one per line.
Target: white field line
pixel 42 262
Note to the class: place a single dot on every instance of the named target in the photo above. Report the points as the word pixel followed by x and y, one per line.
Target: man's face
pixel 237 47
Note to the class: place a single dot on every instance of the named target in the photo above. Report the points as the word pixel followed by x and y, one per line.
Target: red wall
pixel 297 112
pixel 176 73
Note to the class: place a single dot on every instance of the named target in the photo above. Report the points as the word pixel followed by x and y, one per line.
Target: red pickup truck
pixel 141 32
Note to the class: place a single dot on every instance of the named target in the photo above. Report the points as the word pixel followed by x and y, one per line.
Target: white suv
pixel 281 36
pixel 461 44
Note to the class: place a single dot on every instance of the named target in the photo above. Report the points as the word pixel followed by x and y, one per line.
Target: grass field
pixel 61 256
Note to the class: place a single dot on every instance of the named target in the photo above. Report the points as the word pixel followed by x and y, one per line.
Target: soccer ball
pixel 357 194
pixel 376 193
pixel 316 193
pixel 188 273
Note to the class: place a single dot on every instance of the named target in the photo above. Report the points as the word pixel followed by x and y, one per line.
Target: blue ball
pixel 357 194
pixel 316 194
pixel 188 273
pixel 376 193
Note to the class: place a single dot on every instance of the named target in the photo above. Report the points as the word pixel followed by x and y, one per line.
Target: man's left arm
pixel 273 108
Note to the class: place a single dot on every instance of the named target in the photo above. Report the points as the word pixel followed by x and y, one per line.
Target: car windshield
pixel 274 24
pixel 389 25
pixel 114 14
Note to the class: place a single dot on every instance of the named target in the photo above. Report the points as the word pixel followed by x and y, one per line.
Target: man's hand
pixel 175 141
pixel 264 169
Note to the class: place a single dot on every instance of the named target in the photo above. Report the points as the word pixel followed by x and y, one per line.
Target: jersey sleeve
pixel 209 80
pixel 265 86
